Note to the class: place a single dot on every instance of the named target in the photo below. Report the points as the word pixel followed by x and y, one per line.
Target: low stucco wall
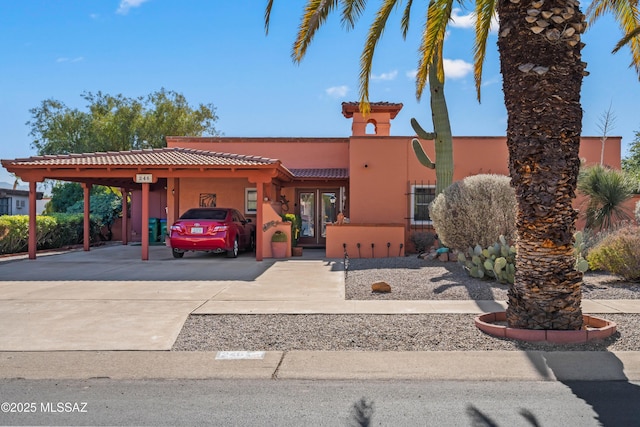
pixel 272 223
pixel 387 240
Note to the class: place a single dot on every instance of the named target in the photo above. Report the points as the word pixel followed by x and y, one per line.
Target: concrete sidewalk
pixel 105 313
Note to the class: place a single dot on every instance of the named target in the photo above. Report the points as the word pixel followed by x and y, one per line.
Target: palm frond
pixel 267 16
pixel 626 39
pixel 485 11
pixel 351 11
pixel 315 14
pixel 366 59
pixel 625 13
pixel 438 17
pixel 406 18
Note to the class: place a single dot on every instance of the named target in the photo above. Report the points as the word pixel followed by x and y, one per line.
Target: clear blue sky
pixel 217 52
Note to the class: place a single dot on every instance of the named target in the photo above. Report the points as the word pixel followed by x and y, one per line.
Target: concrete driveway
pixel 109 299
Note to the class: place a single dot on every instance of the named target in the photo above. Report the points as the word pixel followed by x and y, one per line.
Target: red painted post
pixel 33 230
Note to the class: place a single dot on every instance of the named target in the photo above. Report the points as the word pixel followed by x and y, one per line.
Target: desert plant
pixel 606 190
pixel 618 253
pixel 579 250
pixel 422 240
pixel 475 211
pixel 497 261
pixel 296 226
pixel 279 236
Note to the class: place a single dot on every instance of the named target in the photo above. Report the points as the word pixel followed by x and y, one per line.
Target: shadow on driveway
pixel 123 262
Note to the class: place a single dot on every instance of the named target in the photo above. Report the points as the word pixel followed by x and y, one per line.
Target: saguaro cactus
pixel 441 135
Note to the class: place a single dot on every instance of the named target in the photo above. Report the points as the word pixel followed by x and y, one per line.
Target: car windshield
pixel 215 214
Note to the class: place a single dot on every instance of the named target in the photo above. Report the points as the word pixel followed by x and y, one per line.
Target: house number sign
pixel 144 178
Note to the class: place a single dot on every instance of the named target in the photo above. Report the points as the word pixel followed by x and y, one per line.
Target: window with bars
pixel 421 196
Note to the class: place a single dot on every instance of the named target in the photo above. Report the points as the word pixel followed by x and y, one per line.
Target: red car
pixel 212 230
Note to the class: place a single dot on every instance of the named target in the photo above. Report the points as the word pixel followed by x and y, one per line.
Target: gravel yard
pixel 410 279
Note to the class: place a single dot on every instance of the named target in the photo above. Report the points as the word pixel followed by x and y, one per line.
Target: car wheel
pixel 233 253
pixel 177 253
pixel 252 243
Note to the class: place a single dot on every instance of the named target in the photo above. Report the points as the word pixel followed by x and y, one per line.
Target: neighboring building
pixel 16 202
pixel 371 177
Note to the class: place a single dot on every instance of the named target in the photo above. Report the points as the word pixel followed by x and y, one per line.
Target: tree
pixel 64 195
pixel 105 202
pixel 631 164
pixel 541 64
pixel 605 124
pixel 117 123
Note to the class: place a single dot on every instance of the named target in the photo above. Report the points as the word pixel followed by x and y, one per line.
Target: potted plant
pixel 279 244
pixel 296 225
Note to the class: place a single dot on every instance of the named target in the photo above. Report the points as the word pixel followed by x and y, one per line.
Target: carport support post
pixel 259 220
pixel 87 219
pixel 125 223
pixel 32 220
pixel 145 222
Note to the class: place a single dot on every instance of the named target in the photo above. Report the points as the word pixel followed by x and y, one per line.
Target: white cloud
pixel 469 20
pixel 94 16
pixel 384 76
pixel 64 59
pixel 462 21
pixel 125 5
pixel 453 69
pixel 337 91
pixel 456 68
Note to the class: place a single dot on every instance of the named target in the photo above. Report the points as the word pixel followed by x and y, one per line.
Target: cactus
pixel 441 135
pixel 582 265
pixel 497 261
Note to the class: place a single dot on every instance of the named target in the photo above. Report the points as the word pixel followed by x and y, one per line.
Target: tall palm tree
pixel 542 70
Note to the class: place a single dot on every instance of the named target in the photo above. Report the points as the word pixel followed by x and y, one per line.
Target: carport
pixel 139 170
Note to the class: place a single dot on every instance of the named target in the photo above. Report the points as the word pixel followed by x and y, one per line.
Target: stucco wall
pixel 302 153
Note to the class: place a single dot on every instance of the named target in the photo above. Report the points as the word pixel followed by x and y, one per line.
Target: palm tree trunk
pixel 542 78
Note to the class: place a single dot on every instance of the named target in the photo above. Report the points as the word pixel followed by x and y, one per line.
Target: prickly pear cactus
pixel 582 265
pixel 496 262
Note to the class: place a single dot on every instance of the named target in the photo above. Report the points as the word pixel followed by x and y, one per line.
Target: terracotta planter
pixel 279 249
pixel 296 251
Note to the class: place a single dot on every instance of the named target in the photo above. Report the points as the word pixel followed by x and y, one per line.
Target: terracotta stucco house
pixel 371 177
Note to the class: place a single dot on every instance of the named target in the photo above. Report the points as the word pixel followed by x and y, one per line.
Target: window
pixel 20 204
pixel 250 201
pixel 5 205
pixel 421 197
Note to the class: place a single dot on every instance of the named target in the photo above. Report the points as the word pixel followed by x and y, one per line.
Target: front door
pixel 318 207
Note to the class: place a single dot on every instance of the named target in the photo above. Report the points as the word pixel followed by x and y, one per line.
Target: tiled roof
pixel 148 157
pixel 349 108
pixel 324 173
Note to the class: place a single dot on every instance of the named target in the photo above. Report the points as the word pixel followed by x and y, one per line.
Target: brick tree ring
pixel 594 328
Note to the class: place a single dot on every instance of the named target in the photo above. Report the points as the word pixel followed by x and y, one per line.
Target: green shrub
pixel 475 211
pixel 618 253
pixel 422 240
pixel 14 232
pixel 53 231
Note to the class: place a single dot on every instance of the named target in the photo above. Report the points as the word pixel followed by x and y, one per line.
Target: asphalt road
pixel 319 403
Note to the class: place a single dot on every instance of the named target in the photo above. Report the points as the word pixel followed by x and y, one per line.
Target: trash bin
pixel 163 230
pixel 154 229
